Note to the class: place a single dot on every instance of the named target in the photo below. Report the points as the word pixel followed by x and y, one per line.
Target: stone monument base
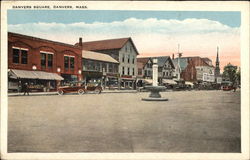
pixel 154 99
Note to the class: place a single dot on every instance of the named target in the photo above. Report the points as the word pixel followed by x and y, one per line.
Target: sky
pixel 154 33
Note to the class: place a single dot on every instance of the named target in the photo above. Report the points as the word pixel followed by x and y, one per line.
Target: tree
pixel 230 73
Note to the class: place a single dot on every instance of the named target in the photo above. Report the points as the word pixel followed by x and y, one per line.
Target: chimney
pixel 80 41
pixel 173 56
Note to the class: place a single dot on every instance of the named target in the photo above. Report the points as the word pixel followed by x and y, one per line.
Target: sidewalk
pixel 55 93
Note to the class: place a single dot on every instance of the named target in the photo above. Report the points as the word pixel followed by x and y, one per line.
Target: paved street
pixel 191 121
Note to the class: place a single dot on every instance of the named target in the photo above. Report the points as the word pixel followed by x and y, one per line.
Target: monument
pixel 155 89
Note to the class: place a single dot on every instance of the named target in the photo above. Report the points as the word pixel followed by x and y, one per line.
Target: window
pixel 123 58
pixel 133 60
pixel 104 67
pixel 128 59
pixel 43 60
pixel 50 60
pixel 24 56
pixel 123 70
pixel 72 62
pixel 163 74
pixel 133 72
pixel 128 71
pixel 98 66
pixel 15 55
pixel 139 71
pixel 66 62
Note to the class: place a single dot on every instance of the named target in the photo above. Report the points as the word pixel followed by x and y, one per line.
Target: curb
pixel 55 93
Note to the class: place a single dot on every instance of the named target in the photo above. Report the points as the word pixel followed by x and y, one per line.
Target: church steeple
pixel 217 64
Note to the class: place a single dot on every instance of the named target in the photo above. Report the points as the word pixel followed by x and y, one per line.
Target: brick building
pixel 42 63
pixel 193 69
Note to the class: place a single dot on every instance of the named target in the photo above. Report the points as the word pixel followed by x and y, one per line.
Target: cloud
pixel 152 35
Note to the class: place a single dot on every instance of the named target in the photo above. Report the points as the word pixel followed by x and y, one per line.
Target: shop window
pixel 72 63
pixel 98 66
pixel 50 60
pixel 66 62
pixel 128 71
pixel 110 68
pixel 104 67
pixel 24 56
pixel 15 55
pixel 43 60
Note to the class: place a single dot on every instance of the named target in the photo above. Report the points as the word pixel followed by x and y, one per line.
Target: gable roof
pixel 98 56
pixel 106 44
pixel 183 63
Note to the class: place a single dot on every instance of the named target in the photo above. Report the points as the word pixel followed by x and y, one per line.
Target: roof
pixel 98 56
pixel 106 44
pixel 43 40
pixel 161 60
pixel 15 73
pixel 183 62
pixel 141 62
pixel 206 59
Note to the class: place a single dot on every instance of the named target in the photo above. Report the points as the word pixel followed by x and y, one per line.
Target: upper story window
pixel 133 72
pixel 15 56
pixel 133 60
pixel 50 60
pixel 128 59
pixel 19 55
pixel 123 70
pixel 24 57
pixel 66 62
pixel 128 71
pixel 46 59
pixel 72 62
pixel 123 58
pixel 43 60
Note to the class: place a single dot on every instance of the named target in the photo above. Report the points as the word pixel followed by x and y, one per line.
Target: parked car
pixel 228 87
pixel 80 89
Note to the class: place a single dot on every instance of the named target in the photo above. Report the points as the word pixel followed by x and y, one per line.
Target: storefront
pixel 111 81
pixel 92 77
pixel 128 82
pixel 37 80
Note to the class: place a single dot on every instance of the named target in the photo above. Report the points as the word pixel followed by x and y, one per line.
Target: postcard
pixel 124 80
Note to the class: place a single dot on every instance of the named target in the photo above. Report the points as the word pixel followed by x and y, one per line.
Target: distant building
pixel 124 51
pixel 165 68
pixel 195 69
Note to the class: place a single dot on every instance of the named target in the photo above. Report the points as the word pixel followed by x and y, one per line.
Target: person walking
pixel 26 89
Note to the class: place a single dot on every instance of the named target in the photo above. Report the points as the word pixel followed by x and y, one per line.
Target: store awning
pixel 168 81
pixel 189 83
pixel 15 73
pixel 149 81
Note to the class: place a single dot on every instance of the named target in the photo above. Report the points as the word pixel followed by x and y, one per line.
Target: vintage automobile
pixel 80 89
pixel 228 87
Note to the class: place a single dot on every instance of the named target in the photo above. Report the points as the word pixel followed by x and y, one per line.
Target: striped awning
pixel 23 74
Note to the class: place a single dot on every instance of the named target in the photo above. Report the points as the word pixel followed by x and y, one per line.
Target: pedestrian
pixel 26 89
